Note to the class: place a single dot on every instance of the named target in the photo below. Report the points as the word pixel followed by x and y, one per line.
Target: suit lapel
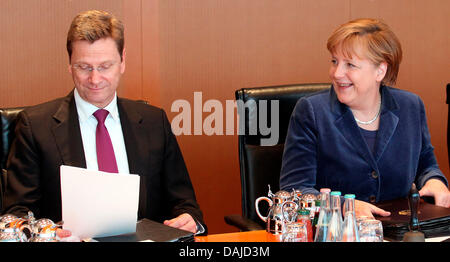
pixel 131 122
pixel 349 129
pixel 347 126
pixel 388 122
pixel 67 134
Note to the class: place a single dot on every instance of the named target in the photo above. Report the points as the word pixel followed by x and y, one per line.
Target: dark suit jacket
pixel 325 148
pixel 48 136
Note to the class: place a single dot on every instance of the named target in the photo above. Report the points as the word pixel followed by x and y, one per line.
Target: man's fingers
pixel 190 226
pixel 183 221
pixel 62 233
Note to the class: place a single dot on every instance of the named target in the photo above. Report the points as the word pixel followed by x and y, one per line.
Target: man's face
pixel 96 69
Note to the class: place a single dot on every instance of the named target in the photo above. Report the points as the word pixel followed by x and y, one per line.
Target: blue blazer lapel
pixel 67 134
pixel 347 126
pixel 388 122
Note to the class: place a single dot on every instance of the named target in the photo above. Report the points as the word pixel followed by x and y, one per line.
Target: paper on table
pixel 98 204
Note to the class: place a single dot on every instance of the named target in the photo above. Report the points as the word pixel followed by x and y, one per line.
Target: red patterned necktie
pixel 105 152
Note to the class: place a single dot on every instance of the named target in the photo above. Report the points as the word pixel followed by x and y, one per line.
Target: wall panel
pixel 132 81
pixel 33 53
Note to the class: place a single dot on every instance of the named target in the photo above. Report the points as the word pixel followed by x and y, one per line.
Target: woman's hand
pixel 437 189
pixel 366 209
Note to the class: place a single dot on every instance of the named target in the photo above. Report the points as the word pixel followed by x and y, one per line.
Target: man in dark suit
pixel 65 132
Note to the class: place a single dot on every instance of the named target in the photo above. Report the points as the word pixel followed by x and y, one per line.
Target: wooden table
pixel 249 236
pixel 263 236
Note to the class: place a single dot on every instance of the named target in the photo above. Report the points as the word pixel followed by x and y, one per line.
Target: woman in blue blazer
pixel 362 136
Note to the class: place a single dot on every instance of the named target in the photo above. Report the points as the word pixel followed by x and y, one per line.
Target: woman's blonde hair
pixel 371 39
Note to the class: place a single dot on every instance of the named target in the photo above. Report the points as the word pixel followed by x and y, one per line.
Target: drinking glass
pixel 370 230
pixel 360 219
pixel 295 232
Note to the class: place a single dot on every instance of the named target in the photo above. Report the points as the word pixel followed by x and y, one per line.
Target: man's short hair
pixel 93 25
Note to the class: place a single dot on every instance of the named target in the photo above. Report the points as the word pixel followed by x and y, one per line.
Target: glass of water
pixel 370 230
pixel 295 232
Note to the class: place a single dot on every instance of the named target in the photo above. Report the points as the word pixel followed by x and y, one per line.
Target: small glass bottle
pixel 304 217
pixel 334 233
pixel 316 216
pixel 349 229
pixel 324 216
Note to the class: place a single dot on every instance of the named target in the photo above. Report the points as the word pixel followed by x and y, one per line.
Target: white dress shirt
pixel 88 126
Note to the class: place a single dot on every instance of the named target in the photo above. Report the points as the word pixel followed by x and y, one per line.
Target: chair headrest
pixel 261 103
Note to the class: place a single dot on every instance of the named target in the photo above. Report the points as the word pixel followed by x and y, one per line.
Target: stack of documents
pixel 98 204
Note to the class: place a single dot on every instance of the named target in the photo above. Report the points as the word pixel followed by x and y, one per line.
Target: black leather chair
pixel 260 164
pixel 8 117
pixel 448 122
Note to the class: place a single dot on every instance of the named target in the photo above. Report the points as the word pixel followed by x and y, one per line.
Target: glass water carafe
pixel 324 216
pixel 334 233
pixel 349 229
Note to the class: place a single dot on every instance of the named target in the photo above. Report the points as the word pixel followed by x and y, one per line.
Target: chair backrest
pixel 8 124
pixel 448 122
pixel 8 119
pixel 260 161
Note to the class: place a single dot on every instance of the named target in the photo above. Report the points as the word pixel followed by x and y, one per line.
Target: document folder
pixel 148 230
pixel 434 221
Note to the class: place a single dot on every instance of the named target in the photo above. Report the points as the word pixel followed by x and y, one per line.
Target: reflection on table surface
pixel 263 236
pixel 248 236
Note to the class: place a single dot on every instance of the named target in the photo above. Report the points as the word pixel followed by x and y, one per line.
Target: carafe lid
pixel 349 196
pixel 282 195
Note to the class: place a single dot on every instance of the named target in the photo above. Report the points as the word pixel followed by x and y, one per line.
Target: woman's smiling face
pixel 355 79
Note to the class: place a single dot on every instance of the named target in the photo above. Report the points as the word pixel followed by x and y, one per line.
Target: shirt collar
pixel 86 109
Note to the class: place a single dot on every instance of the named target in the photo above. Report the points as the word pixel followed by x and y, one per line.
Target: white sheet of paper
pixel 98 204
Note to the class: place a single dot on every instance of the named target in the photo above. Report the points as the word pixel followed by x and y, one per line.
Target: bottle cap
pixel 335 193
pixel 325 190
pixel 349 196
pixel 303 212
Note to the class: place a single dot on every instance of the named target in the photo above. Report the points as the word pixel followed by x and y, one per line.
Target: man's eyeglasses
pixel 87 69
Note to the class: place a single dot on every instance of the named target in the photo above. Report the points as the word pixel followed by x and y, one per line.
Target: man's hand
pixel 62 233
pixel 183 221
pixel 66 236
pixel 437 189
pixel 366 209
